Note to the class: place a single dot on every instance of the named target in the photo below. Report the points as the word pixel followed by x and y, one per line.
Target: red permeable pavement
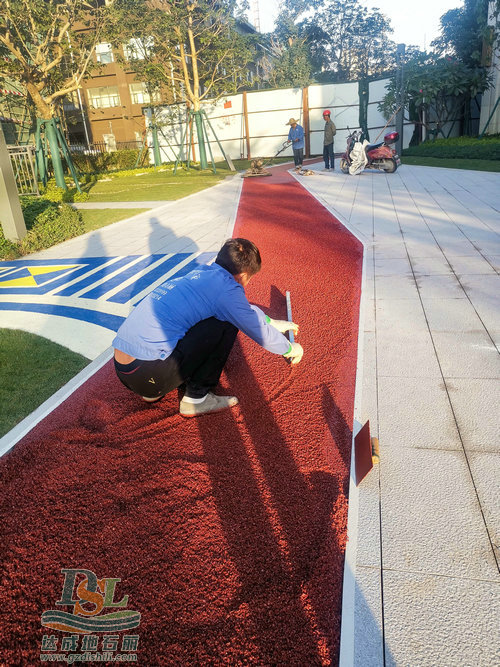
pixel 227 532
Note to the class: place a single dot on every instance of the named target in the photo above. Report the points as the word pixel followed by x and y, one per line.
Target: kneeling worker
pixel 183 331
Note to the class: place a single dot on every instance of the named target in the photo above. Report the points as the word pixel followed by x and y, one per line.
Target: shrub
pixel 54 225
pixel 103 162
pixel 32 207
pixel 487 148
pixel 8 249
pixel 53 193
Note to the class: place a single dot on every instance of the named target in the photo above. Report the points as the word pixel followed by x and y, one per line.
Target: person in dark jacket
pixel 330 132
pixel 181 334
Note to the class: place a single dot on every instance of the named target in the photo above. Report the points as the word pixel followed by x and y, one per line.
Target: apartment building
pixel 110 106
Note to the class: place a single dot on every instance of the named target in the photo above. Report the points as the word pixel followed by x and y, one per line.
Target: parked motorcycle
pixel 378 156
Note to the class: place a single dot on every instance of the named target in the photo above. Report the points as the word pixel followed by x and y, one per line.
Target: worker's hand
pixel 295 354
pixel 284 325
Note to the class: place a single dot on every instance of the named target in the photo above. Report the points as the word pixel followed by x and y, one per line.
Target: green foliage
pixel 54 225
pixel 43 46
pixel 53 193
pixel 184 47
pixel 443 85
pixel 102 162
pixel 32 207
pixel 47 223
pixel 458 148
pixel 8 249
pixel 290 60
pixel 465 32
pixel 355 44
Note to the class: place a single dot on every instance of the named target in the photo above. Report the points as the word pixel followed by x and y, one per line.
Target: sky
pixel 414 21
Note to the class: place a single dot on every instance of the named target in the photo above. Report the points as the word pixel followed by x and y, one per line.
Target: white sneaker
pixel 212 403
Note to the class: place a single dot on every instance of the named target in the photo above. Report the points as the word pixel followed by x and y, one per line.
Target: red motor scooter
pixel 380 156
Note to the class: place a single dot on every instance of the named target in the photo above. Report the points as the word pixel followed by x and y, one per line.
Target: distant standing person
pixel 296 137
pixel 330 132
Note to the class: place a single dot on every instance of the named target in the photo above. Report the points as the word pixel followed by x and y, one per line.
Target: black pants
pixel 328 156
pixel 197 360
pixel 298 156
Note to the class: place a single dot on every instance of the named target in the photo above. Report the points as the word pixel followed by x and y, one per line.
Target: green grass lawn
pixel 452 163
pixel 32 368
pixel 161 185
pixel 100 217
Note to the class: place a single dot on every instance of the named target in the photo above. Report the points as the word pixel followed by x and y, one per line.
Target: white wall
pixel 268 113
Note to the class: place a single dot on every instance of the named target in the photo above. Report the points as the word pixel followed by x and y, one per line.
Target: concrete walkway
pixel 425 570
pixel 428 529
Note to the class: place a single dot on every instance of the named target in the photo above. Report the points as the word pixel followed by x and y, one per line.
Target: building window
pixel 107 96
pixel 137 48
pixel 140 95
pixel 104 53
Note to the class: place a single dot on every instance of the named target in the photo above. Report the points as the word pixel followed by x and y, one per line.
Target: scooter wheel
pixel 390 166
pixel 344 166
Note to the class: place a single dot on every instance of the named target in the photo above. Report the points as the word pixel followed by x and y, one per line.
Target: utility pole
pixel 400 97
pixel 12 220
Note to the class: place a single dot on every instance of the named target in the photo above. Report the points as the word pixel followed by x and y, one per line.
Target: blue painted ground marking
pixel 98 275
pixel 49 286
pixel 141 284
pixel 83 266
pixel 105 320
pixel 100 290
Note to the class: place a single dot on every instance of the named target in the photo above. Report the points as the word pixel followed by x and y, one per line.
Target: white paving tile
pixel 396 287
pixel 494 260
pixel 428 266
pixel 399 318
pixel 368 639
pixel 440 287
pixel 465 266
pixel 392 267
pixel 418 250
pixel 467 355
pixel 407 356
pixel 449 315
pixel 388 250
pixel 431 518
pixel 433 621
pixel 476 406
pixel 416 413
pixel 485 469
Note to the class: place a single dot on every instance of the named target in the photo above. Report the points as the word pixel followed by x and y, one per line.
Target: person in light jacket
pixel 296 137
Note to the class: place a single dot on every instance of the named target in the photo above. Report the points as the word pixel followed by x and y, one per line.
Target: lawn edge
pixel 20 430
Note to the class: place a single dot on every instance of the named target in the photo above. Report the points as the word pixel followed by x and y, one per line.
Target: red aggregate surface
pixel 228 532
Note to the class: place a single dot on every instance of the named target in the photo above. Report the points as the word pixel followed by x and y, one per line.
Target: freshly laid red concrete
pixel 227 532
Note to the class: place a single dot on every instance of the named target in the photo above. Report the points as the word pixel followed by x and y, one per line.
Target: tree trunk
pixel 44 110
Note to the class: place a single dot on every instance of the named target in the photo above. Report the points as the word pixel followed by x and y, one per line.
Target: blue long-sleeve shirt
pixel 296 133
pixel 159 321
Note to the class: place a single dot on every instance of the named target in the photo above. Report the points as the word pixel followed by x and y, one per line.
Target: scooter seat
pixel 371 147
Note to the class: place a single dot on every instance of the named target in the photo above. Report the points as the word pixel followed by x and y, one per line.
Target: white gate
pixel 23 166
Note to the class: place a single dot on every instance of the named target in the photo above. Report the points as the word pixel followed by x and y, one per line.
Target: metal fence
pixel 23 166
pixel 99 147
